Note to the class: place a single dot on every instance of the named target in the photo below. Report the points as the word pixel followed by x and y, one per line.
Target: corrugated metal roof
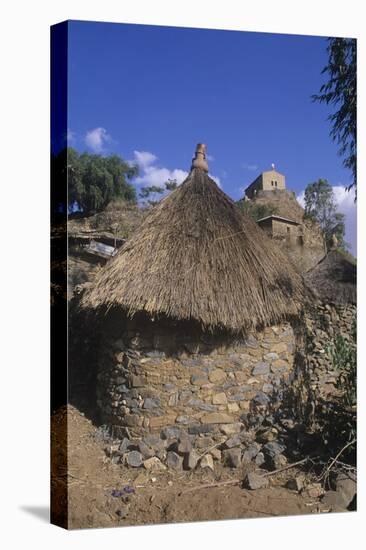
pixel 101 249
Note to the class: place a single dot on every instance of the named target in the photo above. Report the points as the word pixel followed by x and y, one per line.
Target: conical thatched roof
pixel 196 256
pixel 334 278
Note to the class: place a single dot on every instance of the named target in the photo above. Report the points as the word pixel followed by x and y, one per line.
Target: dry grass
pixel 196 256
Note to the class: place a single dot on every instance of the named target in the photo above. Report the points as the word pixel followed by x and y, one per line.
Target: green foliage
pixel 320 205
pixel 170 185
pixel 150 195
pixel 95 180
pixel 256 210
pixel 341 92
pixel 343 355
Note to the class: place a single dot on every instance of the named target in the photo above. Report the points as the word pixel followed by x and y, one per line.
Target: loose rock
pixel 251 452
pixel 254 481
pixel 153 464
pixel 207 462
pixel 346 487
pixel 296 483
pixel 190 460
pixel 134 459
pixel 232 457
pixel 184 446
pixel 174 461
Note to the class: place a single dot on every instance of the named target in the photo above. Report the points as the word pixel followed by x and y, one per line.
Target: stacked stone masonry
pixel 198 398
pixel 323 324
pixel 179 398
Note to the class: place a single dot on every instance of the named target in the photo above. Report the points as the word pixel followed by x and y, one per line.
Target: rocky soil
pixel 103 485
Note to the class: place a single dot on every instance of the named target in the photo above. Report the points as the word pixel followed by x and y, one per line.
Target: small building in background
pixel 280 227
pixel 270 180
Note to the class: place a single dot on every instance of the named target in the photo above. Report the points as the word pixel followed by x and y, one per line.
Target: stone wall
pixel 165 386
pixel 323 323
pixel 176 397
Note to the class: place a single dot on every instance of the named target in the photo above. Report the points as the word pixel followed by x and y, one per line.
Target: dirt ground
pixel 158 497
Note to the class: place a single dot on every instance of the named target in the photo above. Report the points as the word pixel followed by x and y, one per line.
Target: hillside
pixel 113 226
pixel 119 220
pixel 310 249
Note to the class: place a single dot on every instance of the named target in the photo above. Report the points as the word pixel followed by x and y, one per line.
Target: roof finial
pixel 273 166
pixel 199 159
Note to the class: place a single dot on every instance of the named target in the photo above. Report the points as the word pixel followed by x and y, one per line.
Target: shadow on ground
pixel 40 512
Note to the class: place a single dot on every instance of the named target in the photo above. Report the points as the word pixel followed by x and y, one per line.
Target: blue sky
pixel 151 93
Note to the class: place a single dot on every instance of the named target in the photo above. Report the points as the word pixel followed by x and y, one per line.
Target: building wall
pixel 172 395
pixel 206 389
pixel 272 180
pixel 266 225
pixel 284 229
pixel 267 181
pixel 303 244
pixel 323 323
pixel 254 187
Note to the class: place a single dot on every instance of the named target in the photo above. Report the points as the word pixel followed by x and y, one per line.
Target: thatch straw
pixel 334 278
pixel 196 256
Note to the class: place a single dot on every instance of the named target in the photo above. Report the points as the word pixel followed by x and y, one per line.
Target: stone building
pixel 299 238
pixel 267 181
pixel 277 226
pixel 196 314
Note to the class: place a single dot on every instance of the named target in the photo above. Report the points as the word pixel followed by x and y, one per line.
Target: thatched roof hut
pixel 334 278
pixel 197 257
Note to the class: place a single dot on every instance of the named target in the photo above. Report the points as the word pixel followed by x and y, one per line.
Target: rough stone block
pixel 261 368
pixel 151 403
pixel 137 381
pixel 279 365
pixel 230 429
pixel 233 442
pixel 271 356
pixel 207 462
pixel 281 347
pixel 154 464
pixel 241 377
pixel 217 376
pixel 199 379
pixel 145 450
pixel 160 421
pixel 346 487
pixel 251 452
pixel 219 399
pixel 184 446
pixel 233 407
pixel 334 501
pixel 254 481
pixel 134 459
pixel 216 453
pixel 197 429
pixel 216 418
pixel 232 457
pixel 174 461
pixel 190 460
pixel 133 420
pixel 171 432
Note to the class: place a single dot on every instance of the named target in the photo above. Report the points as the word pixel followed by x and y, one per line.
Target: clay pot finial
pixel 199 160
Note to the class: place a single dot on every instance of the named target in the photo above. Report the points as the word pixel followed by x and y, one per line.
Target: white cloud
pixel 144 158
pixel 346 205
pixel 153 174
pixel 96 139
